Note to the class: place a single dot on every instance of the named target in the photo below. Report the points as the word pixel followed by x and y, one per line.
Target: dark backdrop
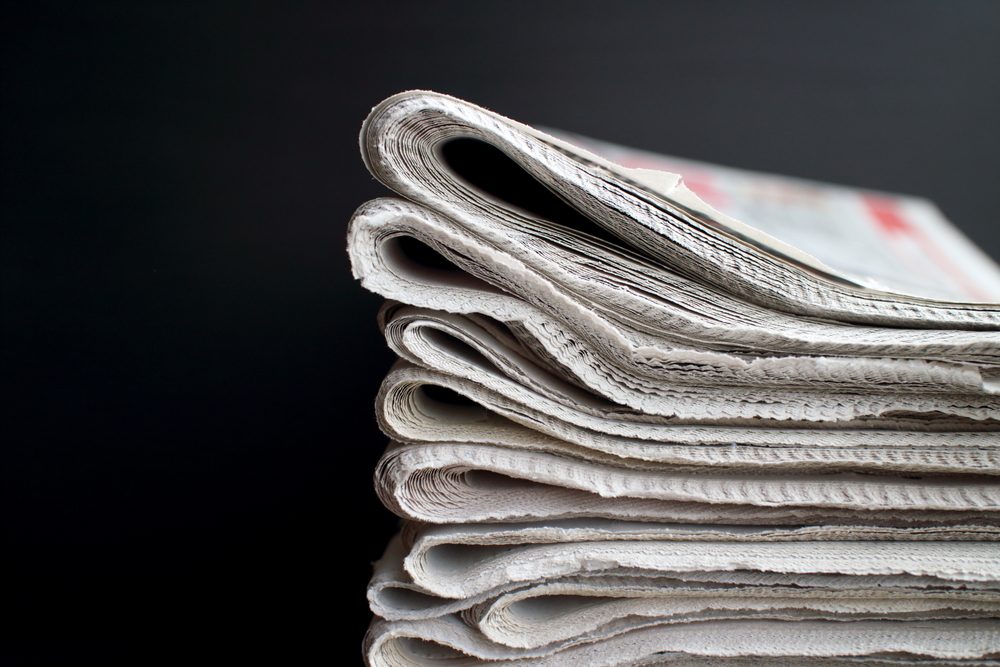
pixel 191 367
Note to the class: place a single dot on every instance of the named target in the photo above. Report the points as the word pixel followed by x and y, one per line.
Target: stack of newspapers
pixel 653 411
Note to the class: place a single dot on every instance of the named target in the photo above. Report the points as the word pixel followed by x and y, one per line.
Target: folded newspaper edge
pixel 449 638
pixel 651 577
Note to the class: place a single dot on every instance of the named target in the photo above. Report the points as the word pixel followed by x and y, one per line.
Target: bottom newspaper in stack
pixel 596 592
pixel 627 429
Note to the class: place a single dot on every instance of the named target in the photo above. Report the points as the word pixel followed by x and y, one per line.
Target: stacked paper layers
pixel 627 429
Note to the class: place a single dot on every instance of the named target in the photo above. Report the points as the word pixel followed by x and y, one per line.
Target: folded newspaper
pixel 654 411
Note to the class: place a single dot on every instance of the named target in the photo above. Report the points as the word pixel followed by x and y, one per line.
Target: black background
pixel 191 368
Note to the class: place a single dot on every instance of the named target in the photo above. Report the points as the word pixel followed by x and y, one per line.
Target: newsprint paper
pixel 655 411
